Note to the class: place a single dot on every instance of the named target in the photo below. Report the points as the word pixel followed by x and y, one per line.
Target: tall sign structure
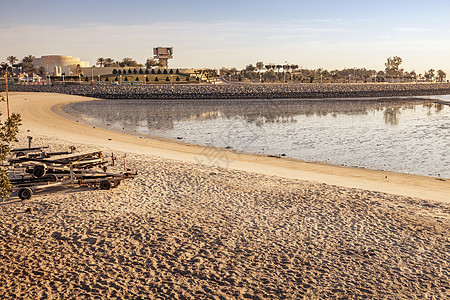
pixel 163 54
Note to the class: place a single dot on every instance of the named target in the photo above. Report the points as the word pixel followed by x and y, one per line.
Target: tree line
pixel 393 71
pixel 127 62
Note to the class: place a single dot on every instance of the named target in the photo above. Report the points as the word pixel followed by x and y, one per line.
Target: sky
pixel 329 34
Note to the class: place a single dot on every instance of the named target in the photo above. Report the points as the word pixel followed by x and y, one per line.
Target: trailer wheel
pixel 39 171
pixel 105 185
pixel 25 193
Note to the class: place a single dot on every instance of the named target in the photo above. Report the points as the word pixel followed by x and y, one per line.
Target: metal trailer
pixel 41 170
pixel 27 185
pixel 40 164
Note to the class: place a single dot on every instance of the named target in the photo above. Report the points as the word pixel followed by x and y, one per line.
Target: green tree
pixel 8 134
pixel 392 66
pixel 27 64
pixel 12 60
pixel 100 61
pixel 128 62
pixel 259 66
pixel 167 78
pixel 250 68
pixel 109 62
pixel 156 78
pixel 150 63
pixel 441 75
pixel 429 75
pixel 114 71
pixel 41 71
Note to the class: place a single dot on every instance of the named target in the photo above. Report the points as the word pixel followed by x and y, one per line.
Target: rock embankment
pixel 242 91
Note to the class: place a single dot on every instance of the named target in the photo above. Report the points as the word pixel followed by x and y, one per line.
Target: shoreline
pixel 38 117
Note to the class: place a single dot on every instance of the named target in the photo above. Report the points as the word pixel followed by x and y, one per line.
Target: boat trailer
pixel 34 169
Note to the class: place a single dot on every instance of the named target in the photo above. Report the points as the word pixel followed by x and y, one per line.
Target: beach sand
pixel 200 224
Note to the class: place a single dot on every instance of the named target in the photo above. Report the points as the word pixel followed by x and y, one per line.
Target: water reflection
pixel 161 115
pixel 400 135
pixel 391 115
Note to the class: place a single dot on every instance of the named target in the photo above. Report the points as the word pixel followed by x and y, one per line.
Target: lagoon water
pixel 400 135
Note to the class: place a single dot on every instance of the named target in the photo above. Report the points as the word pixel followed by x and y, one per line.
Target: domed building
pixel 57 65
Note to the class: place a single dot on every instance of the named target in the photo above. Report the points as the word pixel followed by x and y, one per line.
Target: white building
pixel 56 65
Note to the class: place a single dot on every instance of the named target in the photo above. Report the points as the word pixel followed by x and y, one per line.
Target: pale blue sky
pixel 313 34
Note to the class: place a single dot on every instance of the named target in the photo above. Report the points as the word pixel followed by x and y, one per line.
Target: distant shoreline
pixel 241 91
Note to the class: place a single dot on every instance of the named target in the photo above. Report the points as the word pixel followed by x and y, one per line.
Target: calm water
pixel 401 135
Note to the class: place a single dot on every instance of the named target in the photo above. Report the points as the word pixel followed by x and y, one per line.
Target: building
pixel 57 65
pixel 163 54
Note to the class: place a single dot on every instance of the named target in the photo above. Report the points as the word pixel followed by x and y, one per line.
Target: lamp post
pixel 6 90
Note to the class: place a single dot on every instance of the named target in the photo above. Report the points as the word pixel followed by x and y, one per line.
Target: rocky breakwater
pixel 241 91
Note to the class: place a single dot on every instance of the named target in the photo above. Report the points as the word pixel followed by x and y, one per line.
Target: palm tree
pixel 12 59
pixel 259 66
pixel 109 62
pixel 429 75
pixel 28 59
pixel 100 61
pixel 441 75
pixel 27 64
pixel 278 68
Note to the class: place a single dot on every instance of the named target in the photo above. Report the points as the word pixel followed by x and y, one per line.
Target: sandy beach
pixel 209 223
